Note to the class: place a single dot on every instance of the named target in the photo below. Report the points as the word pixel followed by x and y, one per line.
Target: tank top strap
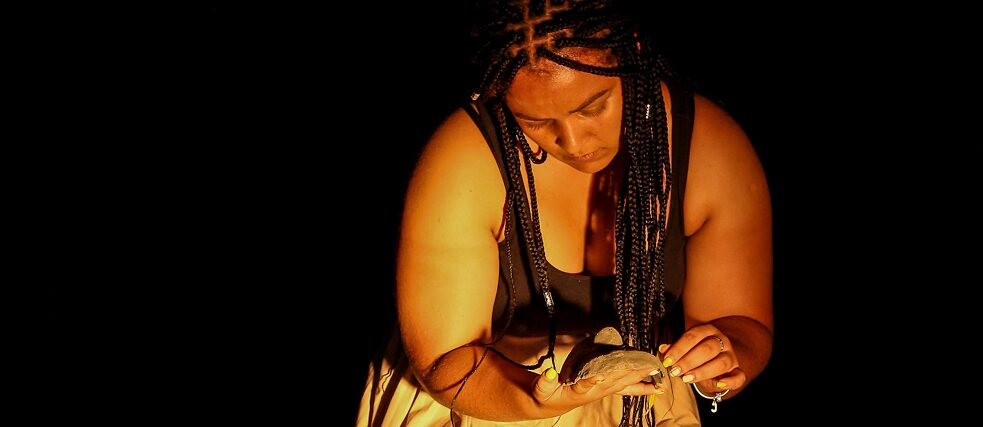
pixel 482 118
pixel 682 132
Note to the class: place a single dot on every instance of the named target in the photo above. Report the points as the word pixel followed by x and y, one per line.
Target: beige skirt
pixel 393 398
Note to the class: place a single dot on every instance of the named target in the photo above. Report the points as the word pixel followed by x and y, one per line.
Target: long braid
pixel 635 238
pixel 522 32
pixel 648 152
pixel 528 209
pixel 660 177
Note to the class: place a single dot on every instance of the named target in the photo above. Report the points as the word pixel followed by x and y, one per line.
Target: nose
pixel 570 137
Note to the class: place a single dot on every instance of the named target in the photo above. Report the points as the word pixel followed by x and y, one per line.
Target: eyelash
pixel 596 112
pixel 591 113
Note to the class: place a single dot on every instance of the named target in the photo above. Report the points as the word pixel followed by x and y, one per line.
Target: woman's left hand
pixel 705 356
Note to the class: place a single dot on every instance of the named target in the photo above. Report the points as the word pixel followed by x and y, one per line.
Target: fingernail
pixel 654 373
pixel 667 362
pixel 675 371
pixel 660 391
pixel 721 384
pixel 688 378
pixel 551 374
pixel 663 348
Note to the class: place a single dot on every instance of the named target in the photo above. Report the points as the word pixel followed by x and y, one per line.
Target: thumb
pixel 546 385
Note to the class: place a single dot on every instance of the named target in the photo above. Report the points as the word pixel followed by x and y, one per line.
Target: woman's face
pixel 573 115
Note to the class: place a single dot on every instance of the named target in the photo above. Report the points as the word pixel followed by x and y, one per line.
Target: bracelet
pixel 716 398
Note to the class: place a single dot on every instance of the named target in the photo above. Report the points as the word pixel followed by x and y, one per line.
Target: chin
pixel 590 167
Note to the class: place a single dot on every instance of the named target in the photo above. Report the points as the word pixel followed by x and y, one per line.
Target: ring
pixel 720 340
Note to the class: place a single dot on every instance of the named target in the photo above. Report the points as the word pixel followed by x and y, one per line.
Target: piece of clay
pixel 605 353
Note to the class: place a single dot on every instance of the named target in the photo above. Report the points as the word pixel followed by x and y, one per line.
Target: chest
pixel 577 218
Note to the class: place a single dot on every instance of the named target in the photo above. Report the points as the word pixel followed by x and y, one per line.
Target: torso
pixel 576 241
pixel 577 214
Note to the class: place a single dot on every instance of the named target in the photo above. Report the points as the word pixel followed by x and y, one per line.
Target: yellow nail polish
pixel 660 391
pixel 721 384
pixel 551 374
pixel 688 378
pixel 668 361
pixel 654 372
pixel 663 348
pixel 675 371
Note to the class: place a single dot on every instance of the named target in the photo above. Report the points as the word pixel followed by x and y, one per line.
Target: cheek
pixel 538 136
pixel 611 131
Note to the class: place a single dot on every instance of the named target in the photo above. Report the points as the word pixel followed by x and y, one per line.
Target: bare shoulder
pixel 724 170
pixel 716 133
pixel 457 173
pixel 457 139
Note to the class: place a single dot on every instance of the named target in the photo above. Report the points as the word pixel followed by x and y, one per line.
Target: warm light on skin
pixel 548 102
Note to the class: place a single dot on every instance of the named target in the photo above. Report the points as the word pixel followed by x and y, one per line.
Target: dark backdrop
pixel 294 131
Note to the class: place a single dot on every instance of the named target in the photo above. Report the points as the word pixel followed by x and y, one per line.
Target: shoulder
pixel 457 139
pixel 711 123
pixel 724 170
pixel 457 156
pixel 719 145
pixel 456 174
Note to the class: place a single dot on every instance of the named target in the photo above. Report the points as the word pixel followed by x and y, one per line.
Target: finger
pixel 650 374
pixel 641 389
pixel 587 384
pixel 611 379
pixel 712 385
pixel 546 385
pixel 692 338
pixel 715 367
pixel 731 381
pixel 629 377
pixel 701 354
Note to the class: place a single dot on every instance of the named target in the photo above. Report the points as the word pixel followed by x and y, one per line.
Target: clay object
pixel 606 352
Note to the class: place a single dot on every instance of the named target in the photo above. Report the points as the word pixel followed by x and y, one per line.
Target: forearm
pixel 751 342
pixel 497 391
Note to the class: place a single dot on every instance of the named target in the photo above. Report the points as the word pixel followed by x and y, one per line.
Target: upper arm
pixel 728 217
pixel 447 267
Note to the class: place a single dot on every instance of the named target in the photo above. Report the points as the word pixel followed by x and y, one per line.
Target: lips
pixel 586 157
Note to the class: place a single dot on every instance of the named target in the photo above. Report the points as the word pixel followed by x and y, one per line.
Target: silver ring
pixel 720 340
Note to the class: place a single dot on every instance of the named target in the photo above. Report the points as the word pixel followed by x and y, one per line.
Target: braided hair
pixel 520 32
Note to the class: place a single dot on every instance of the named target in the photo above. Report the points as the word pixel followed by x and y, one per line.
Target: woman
pixel 582 188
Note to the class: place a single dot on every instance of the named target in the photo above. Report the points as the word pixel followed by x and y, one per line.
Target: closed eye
pixel 594 112
pixel 535 125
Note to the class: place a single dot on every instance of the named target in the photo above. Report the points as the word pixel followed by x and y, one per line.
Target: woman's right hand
pixel 552 395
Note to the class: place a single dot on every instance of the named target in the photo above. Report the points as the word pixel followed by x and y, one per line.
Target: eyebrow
pixel 583 105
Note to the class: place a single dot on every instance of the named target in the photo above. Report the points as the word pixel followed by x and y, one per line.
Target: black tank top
pixel 583 303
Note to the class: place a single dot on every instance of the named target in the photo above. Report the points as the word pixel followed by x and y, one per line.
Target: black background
pixel 293 133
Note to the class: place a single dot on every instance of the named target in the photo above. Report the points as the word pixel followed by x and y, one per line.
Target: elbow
pixel 438 378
